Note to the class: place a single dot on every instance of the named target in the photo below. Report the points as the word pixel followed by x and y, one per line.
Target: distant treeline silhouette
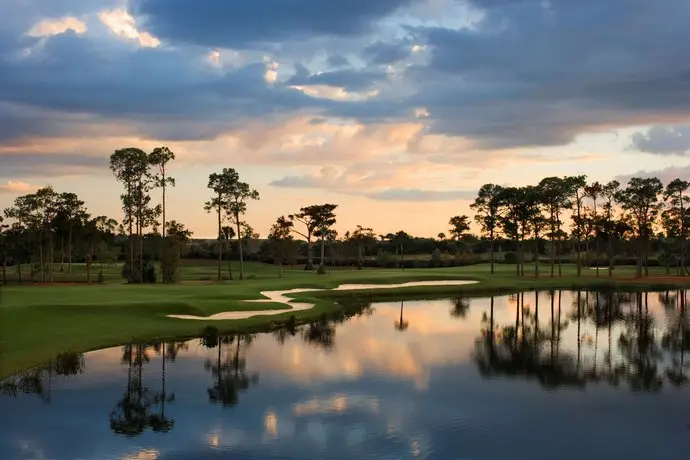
pixel 560 220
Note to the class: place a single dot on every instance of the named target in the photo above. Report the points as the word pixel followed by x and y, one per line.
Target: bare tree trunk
pixel 229 252
pixel 69 250
pixel 310 254
pixel 553 241
pixel 239 244
pixel 519 251
pixel 19 272
pixel 62 252
pixel 163 233
pixel 578 242
pixel 141 233
pixel 323 251
pixel 164 248
pixel 220 243
pixel 491 251
pixel 682 234
pixel 51 254
pixel 40 259
pixel 638 264
pixel 130 216
pixel 536 254
pixel 141 255
pixel 609 244
pixel 560 262
pixel 88 267
pixel 402 257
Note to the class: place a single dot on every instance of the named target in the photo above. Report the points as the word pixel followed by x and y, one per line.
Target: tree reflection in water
pixel 460 308
pixel 676 339
pixel 168 352
pixel 229 371
pixel 636 355
pixel 38 381
pixel 130 417
pixel 401 324
pixel 140 408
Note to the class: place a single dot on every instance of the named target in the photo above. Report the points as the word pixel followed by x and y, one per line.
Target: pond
pixel 565 375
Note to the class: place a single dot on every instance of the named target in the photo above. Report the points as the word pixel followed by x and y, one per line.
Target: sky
pixel 396 110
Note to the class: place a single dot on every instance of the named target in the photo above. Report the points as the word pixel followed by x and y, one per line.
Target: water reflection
pixel 447 375
pixel 39 381
pixel 637 344
pixel 230 373
pixel 401 324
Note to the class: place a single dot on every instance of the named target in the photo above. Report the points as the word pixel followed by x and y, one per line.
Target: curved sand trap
pixel 280 297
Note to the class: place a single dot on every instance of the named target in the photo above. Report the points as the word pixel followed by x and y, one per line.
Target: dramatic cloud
pixel 122 24
pixel 665 175
pixel 663 140
pixel 539 73
pixel 243 23
pixel 401 98
pixel 380 181
pixel 348 79
pixel 387 53
pixel 49 27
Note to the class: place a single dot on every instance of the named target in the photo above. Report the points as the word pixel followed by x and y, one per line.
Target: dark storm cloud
pixel 70 73
pixel 31 164
pixel 351 80
pixel 663 140
pixel 242 23
pixel 530 72
pixel 387 53
pixel 336 60
pixel 539 73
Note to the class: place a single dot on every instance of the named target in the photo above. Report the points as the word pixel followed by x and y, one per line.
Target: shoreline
pixel 35 332
pixel 282 297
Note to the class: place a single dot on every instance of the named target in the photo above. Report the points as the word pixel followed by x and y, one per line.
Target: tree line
pixel 598 224
pixel 602 218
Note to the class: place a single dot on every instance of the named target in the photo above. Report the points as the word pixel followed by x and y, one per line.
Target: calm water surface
pixel 561 375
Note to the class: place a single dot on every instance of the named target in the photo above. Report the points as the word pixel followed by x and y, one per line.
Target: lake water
pixel 560 375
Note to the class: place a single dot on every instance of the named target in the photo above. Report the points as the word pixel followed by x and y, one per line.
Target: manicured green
pixel 37 322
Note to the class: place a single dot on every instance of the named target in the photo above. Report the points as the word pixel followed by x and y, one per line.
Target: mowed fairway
pixel 39 321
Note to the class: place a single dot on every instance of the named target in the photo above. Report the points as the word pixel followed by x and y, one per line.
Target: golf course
pixel 39 321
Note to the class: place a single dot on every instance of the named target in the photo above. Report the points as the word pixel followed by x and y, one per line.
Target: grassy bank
pixel 37 322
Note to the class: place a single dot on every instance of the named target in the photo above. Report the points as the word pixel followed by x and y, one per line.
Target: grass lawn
pixel 38 321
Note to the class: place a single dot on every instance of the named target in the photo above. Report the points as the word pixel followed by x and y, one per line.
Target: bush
pixel 321 270
pixel 436 258
pixel 386 259
pixel 510 258
pixel 149 275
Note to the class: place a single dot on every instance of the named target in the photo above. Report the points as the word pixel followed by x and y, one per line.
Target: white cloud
pixel 122 24
pixel 214 58
pixel 50 27
pixel 16 187
pixel 271 75
pixel 335 93
pixel 663 140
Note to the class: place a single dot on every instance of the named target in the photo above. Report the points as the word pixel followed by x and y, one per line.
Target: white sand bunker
pixel 280 297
